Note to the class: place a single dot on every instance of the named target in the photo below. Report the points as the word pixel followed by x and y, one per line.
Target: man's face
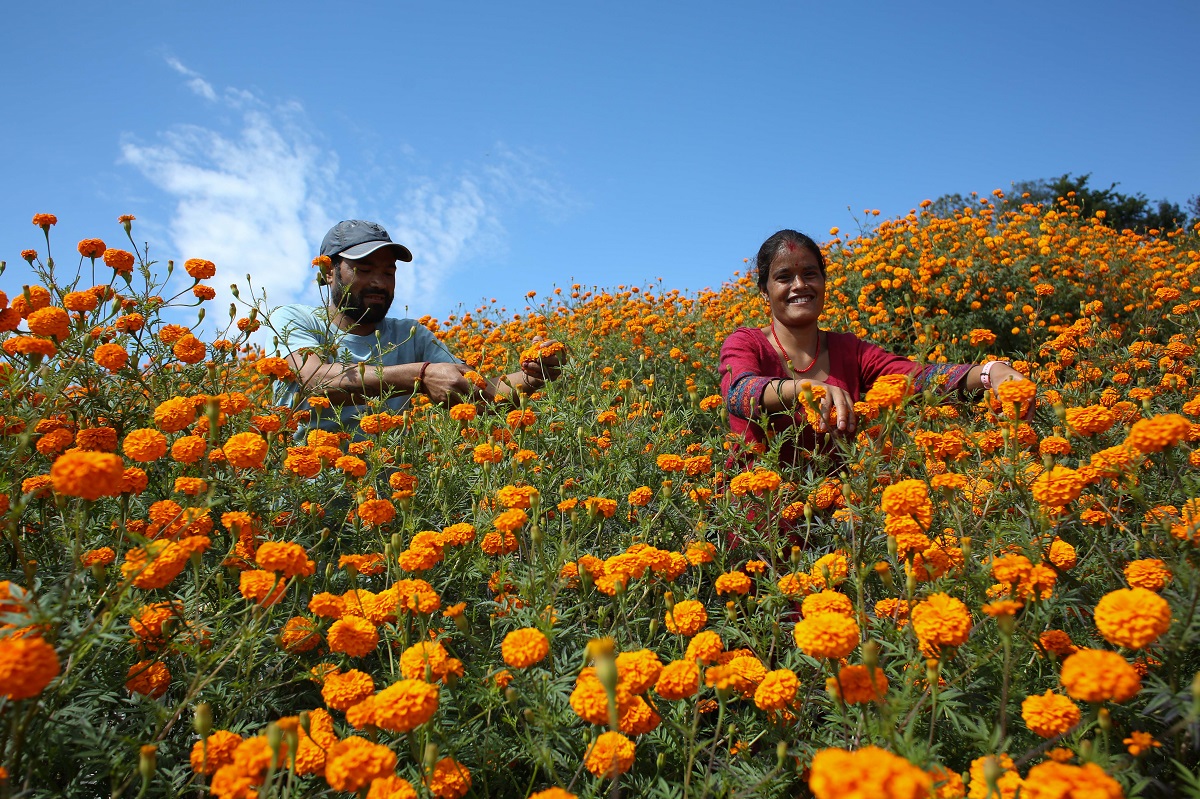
pixel 364 288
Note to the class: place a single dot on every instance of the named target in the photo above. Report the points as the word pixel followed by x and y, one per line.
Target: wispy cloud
pixel 255 198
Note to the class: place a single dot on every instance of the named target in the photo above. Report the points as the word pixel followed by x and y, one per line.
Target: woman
pixel 766 370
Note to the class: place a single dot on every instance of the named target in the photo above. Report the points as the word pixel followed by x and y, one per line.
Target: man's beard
pixel 353 306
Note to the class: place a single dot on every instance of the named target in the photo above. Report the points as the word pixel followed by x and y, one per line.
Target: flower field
pixel 595 593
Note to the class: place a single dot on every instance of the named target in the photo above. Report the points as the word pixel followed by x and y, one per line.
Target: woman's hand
pixel 544 360
pixel 1002 372
pixel 836 399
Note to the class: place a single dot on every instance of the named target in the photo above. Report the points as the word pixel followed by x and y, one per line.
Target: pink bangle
pixel 985 376
pixel 421 375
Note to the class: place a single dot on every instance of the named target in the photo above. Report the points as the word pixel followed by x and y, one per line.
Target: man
pixel 351 351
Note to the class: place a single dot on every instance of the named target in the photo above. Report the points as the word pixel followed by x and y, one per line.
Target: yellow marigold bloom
pixel 1050 714
pixel 288 559
pixel 679 679
pixel 174 414
pixel 343 690
pixel 1132 617
pixel 687 618
pixel 353 762
pixel 777 690
pixel 827 602
pixel 449 779
pixel 1096 675
pixel 1051 780
pixel 940 621
pixel 610 755
pixel 245 450
pixel 1057 487
pixel 733 583
pixel 638 670
pixel 522 648
pixel 870 771
pixel 144 445
pixel 88 475
pixel 1139 742
pixel 856 685
pixel 1149 573
pixel 210 754
pixel 1090 420
pixel 827 635
pixel 27 665
pixel 353 635
pixel 1158 433
pixel 706 647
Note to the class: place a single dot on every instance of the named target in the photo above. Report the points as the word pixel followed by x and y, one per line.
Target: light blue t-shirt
pixel 302 328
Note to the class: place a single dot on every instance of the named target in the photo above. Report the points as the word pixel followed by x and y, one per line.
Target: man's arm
pixel 353 384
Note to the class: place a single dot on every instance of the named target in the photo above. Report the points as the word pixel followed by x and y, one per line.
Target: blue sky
pixel 518 146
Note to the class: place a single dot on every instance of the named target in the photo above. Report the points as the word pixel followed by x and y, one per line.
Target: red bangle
pixel 421 375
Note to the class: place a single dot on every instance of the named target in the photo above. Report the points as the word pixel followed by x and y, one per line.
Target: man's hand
pixel 445 382
pixel 544 360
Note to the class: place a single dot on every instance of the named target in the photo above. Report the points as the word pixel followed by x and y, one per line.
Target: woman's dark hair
pixel 771 247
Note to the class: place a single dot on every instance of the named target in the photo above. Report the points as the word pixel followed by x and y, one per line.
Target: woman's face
pixel 795 286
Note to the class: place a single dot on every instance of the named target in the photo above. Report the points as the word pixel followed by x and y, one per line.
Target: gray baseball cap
pixel 357 238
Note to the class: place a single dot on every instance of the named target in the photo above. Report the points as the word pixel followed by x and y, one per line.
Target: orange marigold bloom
pixel 981 337
pixel 376 512
pixel 1062 555
pixel 499 543
pixel 610 755
pixel 27 665
pixel 88 475
pixel 706 646
pixel 521 418
pixel 149 677
pixel 1009 569
pixel 1057 487
pixel 189 449
pixel 264 587
pixel 856 685
pixel 1155 434
pixel 525 647
pixel 289 559
pixel 112 357
pixel 687 617
pixel 670 463
pixel 209 754
pixel 342 690
pixel 300 634
pixel 487 453
pixel 1096 675
pixel 794 586
pixel 144 445
pixel 777 690
pixel 103 556
pixel 1090 420
pixel 826 635
pixel 600 506
pixel 552 793
pixel 190 349
pixel 91 248
pixel 80 301
pixel 119 261
pixel 827 602
pixel 391 787
pixel 353 635
pixel 174 414
pixel 1016 392
pixel 757 482
pixel 869 771
pixel 463 412
pixel 1050 714
pixel 733 583
pixel 640 496
pixel 50 323
pixel 940 621
pixel 679 679
pixel 638 670
pixel 1052 780
pixel 510 520
pixel 1132 617
pixel 1149 573
pixel 199 268
pixel 449 779
pixel 1139 742
pixel 888 391
pixel 352 763
pixel 245 450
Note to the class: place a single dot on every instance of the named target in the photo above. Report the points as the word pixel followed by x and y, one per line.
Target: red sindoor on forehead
pixel 791 246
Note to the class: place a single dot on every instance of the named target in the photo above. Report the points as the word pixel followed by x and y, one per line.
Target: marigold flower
pixel 687 617
pixel 1139 742
pixel 352 763
pixel 640 496
pixel 264 587
pixel 610 755
pixel 299 634
pixel 888 391
pixel 149 677
pixel 525 647
pixel 733 583
pixel 1051 780
pixel 552 793
pixel 827 602
pixel 44 221
pixel 213 752
pixel 189 349
pixel 289 559
pixel 88 475
pixel 777 690
pixel 449 779
pixel 112 357
pixel 199 268
pixel 1132 617
pixel 1090 420
pixel 119 261
pixel 391 787
pixel 1057 487
pixel 50 323
pixel 1096 675
pixel 27 665
pixel 1155 434
pixel 103 556
pixel 940 621
pixel 679 679
pixel 376 512
pixel 91 248
pixel 245 450
pixel 342 690
pixel 856 685
pixel 1019 393
pixel 757 482
pixel 869 771
pixel 826 635
pixel 1050 714
pixel 638 670
pixel 144 445
pixel 353 635
pixel 1149 573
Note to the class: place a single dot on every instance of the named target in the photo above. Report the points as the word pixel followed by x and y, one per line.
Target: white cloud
pixel 257 198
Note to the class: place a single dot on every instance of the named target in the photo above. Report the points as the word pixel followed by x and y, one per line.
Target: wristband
pixel 421 375
pixel 985 376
